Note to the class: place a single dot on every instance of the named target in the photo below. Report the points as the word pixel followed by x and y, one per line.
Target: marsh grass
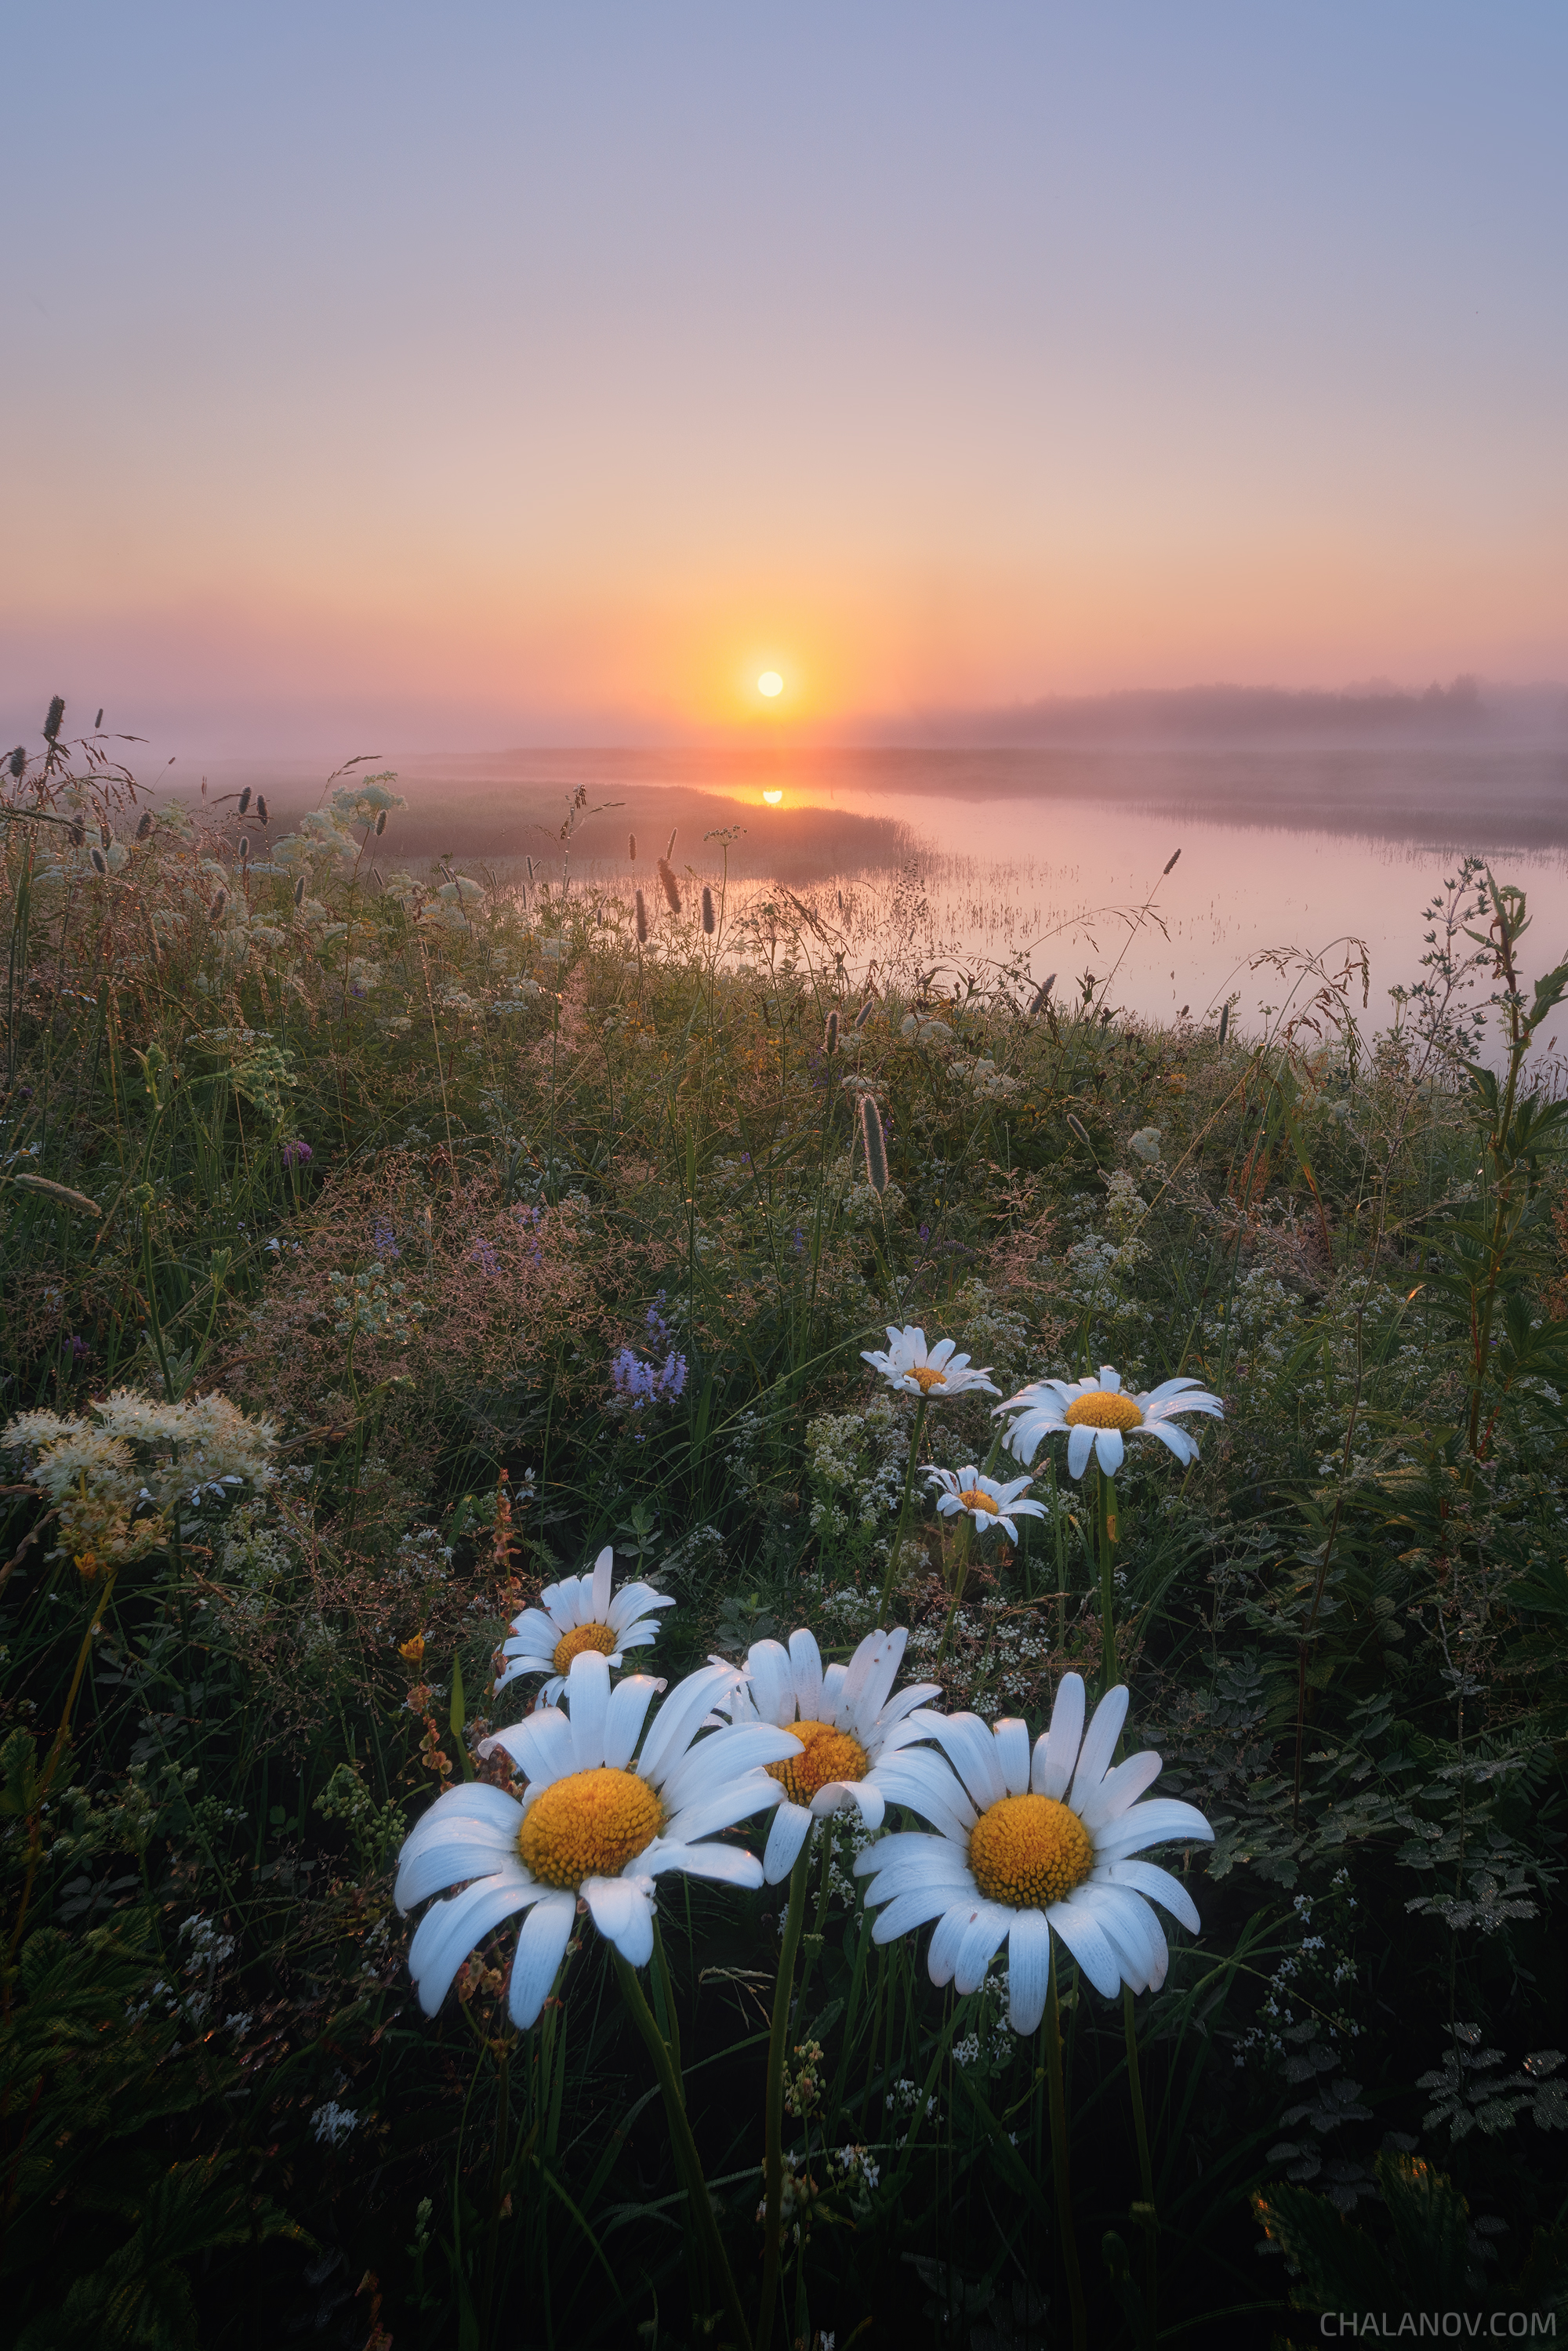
pixel 539 1138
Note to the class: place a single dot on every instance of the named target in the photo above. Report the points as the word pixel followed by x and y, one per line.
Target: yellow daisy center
pixel 582 1636
pixel 928 1376
pixel 1104 1408
pixel 974 1498
pixel 1028 1852
pixel 830 1754
pixel 589 1824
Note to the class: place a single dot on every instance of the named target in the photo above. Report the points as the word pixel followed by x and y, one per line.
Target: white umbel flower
pixel 578 1614
pixel 908 1364
pixel 1027 1842
pixel 592 1823
pixel 1099 1416
pixel 988 1500
pixel 850 1726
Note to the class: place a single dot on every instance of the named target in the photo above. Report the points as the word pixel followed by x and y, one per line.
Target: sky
pixel 508 374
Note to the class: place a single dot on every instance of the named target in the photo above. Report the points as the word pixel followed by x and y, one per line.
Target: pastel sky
pixel 514 372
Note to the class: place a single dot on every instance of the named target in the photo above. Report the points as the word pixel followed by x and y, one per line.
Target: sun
pixel 771 684
pixel 772 799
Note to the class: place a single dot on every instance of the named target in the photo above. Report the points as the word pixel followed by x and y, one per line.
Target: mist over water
pixel 950 860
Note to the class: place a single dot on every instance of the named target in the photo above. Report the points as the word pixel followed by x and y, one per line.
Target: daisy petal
pixel 786 1835
pixel 1012 1753
pixel 927 1785
pixel 1158 1820
pixel 1110 1448
pixel 1028 1970
pixel 978 1946
pixel 449 1931
pixel 1079 1445
pixel 969 1747
pixel 541 1947
pixel 467 1849
pixel 623 1718
pixel 913 1908
pixel 588 1704
pixel 1100 1742
pixel 1146 1878
pixel 1079 1930
pixel 1056 1755
pixel 729 1864
pixel 599 1597
pixel 772 1682
pixel 541 1747
pixel 675 1724
pixel 1119 1789
pixel 806 1660
pixel 951 1928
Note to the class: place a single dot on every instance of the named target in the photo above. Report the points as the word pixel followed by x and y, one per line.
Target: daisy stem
pixel 819 1925
pixel 773 2128
pixel 1106 1514
pixel 915 1436
pixel 1145 2214
pixel 1058 2162
pixel 687 2160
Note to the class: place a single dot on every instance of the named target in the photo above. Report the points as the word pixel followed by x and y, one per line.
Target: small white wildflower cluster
pixel 332 2124
pixel 115 1478
pixel 853 1489
pixel 1319 1961
pixel 981 1078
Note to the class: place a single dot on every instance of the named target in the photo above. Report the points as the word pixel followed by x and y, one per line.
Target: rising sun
pixel 771 684
pixel 772 799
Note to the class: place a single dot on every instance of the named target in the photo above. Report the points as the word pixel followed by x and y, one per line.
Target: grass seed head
pixel 632 847
pixel 830 1034
pixel 215 913
pixel 145 827
pixel 668 883
pixel 642 921
pixel 875 1145
pixel 100 862
pixel 53 723
pixel 245 799
pixel 710 920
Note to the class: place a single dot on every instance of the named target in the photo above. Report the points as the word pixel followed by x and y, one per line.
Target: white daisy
pixel 592 1823
pixel 578 1614
pixel 1099 1414
pixel 849 1726
pixel 987 1501
pixel 1028 1842
pixel 908 1364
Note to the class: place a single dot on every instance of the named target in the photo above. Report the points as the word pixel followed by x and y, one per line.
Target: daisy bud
pixel 710 921
pixel 875 1145
pixel 642 921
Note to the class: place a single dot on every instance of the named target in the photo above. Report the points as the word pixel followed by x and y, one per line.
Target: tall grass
pixel 404 1164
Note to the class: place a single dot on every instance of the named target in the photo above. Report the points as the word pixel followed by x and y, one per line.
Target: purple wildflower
pixel 296 1153
pixel 384 1241
pixel 483 1254
pixel 636 1383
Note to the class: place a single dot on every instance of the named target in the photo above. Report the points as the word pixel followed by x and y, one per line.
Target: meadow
pixel 383 1249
